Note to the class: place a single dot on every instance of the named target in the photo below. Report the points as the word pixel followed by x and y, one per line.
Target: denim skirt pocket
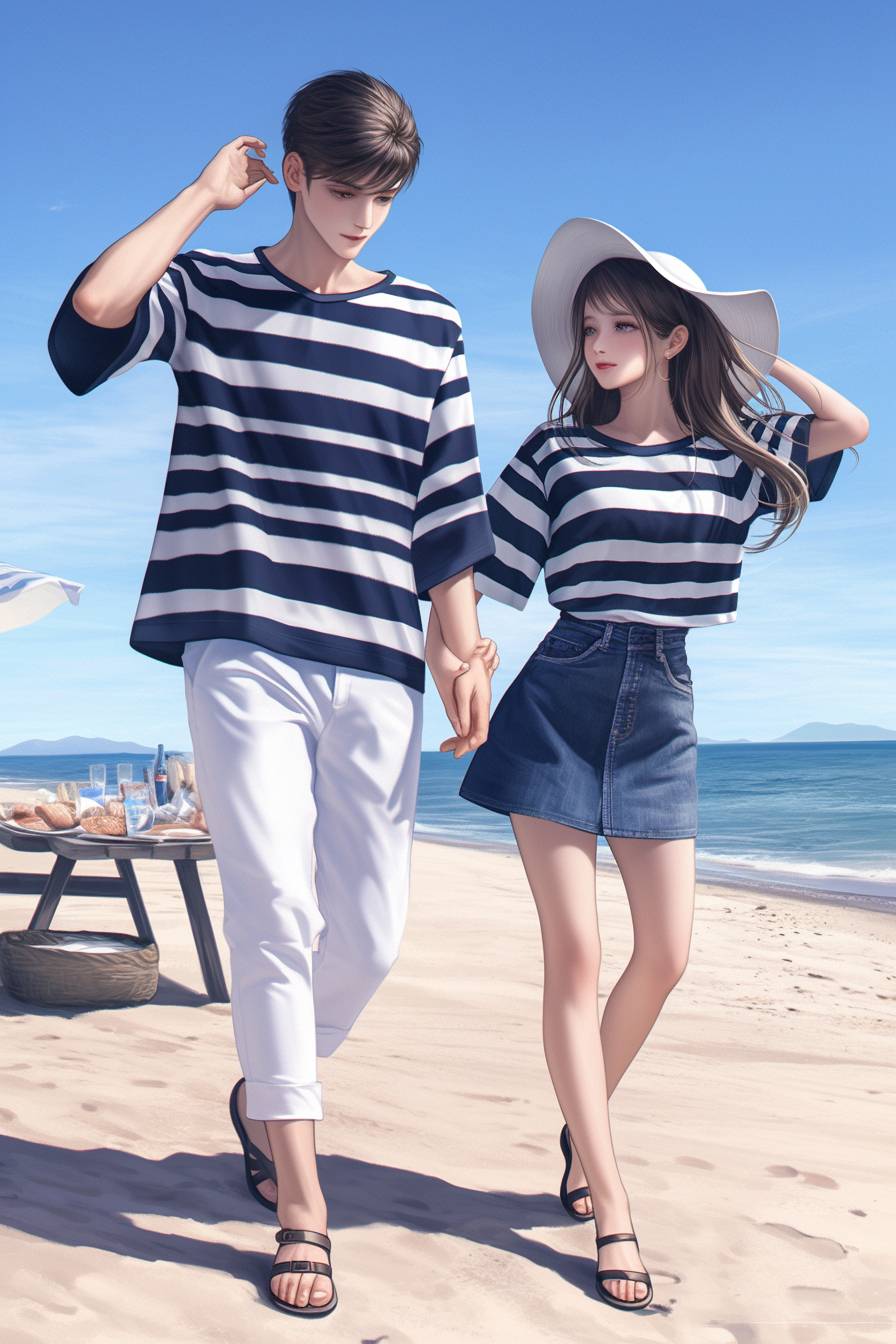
pixel 674 661
pixel 565 645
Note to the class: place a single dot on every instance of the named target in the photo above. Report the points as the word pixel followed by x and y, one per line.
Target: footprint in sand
pixel 147 1082
pixel 695 1162
pixel 810 1177
pixel 7 1116
pixel 816 1178
pixel 824 1247
pixel 486 1096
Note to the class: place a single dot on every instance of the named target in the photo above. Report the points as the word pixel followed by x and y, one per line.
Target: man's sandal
pixel 258 1166
pixel 290 1234
pixel 637 1275
pixel 567 1197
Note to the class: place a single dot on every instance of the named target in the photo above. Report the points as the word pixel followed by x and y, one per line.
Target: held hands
pixel 231 177
pixel 464 689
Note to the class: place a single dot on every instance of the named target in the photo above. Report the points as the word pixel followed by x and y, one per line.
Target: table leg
pixel 134 899
pixel 46 906
pixel 203 933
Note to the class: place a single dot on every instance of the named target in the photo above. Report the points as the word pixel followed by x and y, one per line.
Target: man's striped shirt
pixel 324 471
pixel 629 533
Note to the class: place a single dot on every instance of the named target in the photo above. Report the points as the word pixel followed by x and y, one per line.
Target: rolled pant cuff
pixel 329 1040
pixel 283 1101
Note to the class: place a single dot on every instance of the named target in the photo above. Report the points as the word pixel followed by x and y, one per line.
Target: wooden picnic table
pixel 72 849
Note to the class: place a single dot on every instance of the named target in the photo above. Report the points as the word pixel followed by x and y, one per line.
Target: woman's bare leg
pixel 560 865
pixel 659 882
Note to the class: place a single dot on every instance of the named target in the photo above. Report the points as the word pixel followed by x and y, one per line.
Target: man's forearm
pixel 454 608
pixel 111 290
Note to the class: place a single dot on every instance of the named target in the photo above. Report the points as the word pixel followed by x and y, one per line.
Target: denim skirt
pixel 597 732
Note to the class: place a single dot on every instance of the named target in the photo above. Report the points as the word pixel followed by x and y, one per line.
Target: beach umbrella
pixel 26 596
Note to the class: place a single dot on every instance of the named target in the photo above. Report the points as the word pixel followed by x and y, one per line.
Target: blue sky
pixel 752 146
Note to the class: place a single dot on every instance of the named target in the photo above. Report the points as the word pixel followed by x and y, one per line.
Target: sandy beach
pixel 751 1132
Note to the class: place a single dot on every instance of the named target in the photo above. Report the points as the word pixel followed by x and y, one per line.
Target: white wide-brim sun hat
pixel 580 244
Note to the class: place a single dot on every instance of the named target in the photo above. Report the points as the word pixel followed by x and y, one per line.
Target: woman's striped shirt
pixel 653 534
pixel 323 472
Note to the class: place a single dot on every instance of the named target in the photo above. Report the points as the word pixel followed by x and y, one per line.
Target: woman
pixel 637 499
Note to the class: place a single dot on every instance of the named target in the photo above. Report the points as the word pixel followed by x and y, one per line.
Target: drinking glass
pixel 70 792
pixel 138 810
pixel 96 789
pixel 124 775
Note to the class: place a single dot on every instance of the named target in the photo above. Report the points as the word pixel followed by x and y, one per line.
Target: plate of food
pixel 37 826
pixel 42 818
pixel 180 833
pixel 155 837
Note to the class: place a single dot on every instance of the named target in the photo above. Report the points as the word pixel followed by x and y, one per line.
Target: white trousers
pixel 308 775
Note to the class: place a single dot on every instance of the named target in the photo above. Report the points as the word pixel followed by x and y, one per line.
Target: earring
pixel 665 380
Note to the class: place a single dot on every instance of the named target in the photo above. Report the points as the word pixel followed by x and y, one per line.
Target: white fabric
pixel 26 595
pixel 301 766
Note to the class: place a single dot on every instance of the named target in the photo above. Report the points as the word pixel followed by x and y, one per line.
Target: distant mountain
pixel 74 746
pixel 814 732
pixel 839 732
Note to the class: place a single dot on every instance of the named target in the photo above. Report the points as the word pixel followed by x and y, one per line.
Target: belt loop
pixel 607 635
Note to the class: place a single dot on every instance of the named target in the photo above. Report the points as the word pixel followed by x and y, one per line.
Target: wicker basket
pixel 37 966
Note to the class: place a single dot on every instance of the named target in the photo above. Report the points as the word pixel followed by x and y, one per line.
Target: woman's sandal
pixel 637 1275
pixel 567 1197
pixel 289 1234
pixel 258 1166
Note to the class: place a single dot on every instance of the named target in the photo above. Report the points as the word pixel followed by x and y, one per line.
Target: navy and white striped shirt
pixel 324 471
pixel 629 533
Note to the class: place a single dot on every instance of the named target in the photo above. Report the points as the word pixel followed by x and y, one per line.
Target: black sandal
pixel 289 1234
pixel 258 1166
pixel 568 1196
pixel 637 1275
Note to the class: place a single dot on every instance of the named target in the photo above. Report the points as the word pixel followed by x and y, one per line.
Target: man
pixel 323 476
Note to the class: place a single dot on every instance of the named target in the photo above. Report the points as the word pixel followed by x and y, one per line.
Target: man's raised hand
pixel 232 176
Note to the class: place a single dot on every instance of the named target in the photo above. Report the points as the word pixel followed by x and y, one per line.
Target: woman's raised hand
pixel 232 176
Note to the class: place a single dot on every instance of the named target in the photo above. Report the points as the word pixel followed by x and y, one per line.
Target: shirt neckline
pixel 646 450
pixel 388 277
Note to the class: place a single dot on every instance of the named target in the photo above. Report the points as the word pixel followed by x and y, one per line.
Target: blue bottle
pixel 160 777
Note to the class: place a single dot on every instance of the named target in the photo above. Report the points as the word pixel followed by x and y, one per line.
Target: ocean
pixel 799 816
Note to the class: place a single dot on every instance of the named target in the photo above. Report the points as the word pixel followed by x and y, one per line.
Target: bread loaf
pixel 33 823
pixel 20 810
pixel 56 815
pixel 115 808
pixel 100 824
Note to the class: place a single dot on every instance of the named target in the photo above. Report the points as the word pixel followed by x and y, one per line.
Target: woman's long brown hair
pixel 702 376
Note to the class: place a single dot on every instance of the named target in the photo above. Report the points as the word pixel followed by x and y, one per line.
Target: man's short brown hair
pixel 354 128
